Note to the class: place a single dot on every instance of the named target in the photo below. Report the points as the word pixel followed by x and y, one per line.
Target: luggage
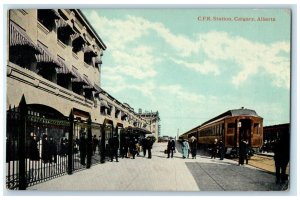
pixel 166 152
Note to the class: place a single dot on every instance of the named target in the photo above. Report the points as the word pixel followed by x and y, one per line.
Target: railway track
pixel 264 162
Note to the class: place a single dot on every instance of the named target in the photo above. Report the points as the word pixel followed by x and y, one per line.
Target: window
pixel 231 125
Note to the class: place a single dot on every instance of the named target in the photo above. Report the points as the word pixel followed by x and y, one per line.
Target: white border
pixel 6 4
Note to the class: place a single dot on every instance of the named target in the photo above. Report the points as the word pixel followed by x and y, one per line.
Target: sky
pixel 191 69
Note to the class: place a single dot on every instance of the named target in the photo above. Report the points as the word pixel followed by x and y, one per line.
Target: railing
pixel 39 148
pixel 61 44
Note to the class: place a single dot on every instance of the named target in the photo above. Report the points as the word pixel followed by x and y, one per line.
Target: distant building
pixel 153 122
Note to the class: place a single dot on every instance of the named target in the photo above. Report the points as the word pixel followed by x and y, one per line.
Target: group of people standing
pixel 189 147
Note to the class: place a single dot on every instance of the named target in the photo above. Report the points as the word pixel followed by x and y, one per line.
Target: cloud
pixel 204 68
pixel 181 94
pixel 251 58
pixel 248 58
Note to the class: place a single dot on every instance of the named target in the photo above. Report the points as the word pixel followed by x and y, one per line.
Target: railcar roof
pixel 233 113
pixel 229 113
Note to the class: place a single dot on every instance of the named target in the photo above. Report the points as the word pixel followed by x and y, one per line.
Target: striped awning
pixel 78 78
pixel 89 85
pixel 19 37
pixel 46 56
pixel 65 69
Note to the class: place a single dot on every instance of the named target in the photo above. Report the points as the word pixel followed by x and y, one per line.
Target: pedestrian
pixel 214 149
pixel 83 148
pixel 34 153
pixel 34 156
pixel 45 149
pixel 193 147
pixel 144 146
pixel 242 151
pixel 185 149
pixel 132 148
pixel 53 150
pixel 171 147
pixel 221 148
pixel 281 157
pixel 95 144
pixel 149 147
pixel 114 146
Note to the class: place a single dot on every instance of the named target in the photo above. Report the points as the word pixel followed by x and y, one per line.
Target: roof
pixel 232 113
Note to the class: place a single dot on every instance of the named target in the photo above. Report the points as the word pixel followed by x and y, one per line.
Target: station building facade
pixel 53 84
pixel 54 60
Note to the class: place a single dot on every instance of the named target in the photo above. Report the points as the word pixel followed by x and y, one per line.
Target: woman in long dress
pixel 185 149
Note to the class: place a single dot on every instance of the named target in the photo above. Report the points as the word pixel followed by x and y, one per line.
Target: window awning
pixel 61 23
pixel 104 103
pixel 124 115
pixel 89 85
pixel 65 69
pixel 76 37
pixel 18 37
pixel 98 89
pixel 46 56
pixel 88 50
pixel 98 60
pixel 78 78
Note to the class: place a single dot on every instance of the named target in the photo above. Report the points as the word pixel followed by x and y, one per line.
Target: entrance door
pixel 245 130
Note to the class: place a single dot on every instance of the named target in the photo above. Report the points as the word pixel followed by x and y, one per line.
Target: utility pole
pixel 177 133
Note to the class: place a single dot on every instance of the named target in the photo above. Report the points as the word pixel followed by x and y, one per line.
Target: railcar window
pixel 231 125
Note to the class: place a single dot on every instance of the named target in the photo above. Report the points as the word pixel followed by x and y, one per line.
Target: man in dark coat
pixel 171 147
pixel 144 146
pixel 193 147
pixel 132 147
pixel 83 148
pixel 46 156
pixel 95 144
pixel 242 152
pixel 33 149
pixel 114 146
pixel 149 147
pixel 214 149
pixel 221 149
pixel 281 157
pixel 53 150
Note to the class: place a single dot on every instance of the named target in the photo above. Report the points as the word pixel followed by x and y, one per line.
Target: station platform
pixel 162 174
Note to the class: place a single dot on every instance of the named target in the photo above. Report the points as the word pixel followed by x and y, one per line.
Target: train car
pixel 231 127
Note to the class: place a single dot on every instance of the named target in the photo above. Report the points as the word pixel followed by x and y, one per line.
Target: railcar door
pixel 245 130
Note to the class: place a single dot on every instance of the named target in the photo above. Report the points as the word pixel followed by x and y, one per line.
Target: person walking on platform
pixel 83 148
pixel 149 147
pixel 214 149
pixel 185 149
pixel 242 152
pixel 171 147
pixel 281 157
pixel 221 149
pixel 132 147
pixel 144 146
pixel 193 147
pixel 114 146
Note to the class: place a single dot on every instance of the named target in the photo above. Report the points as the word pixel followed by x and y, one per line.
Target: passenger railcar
pixel 231 127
